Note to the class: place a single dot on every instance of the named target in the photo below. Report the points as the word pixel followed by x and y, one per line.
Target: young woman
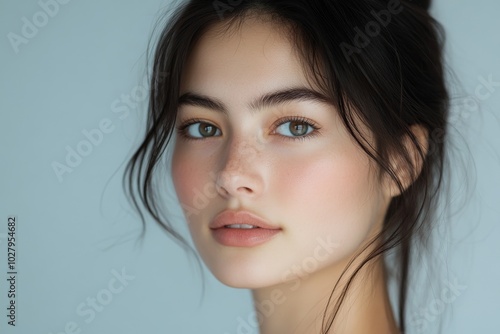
pixel 309 142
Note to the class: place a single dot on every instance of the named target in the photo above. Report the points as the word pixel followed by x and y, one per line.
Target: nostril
pixel 246 190
pixel 220 189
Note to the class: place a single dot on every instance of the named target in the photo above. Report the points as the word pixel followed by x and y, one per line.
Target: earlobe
pixel 408 171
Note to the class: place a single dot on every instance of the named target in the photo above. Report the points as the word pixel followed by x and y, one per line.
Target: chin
pixel 236 281
pixel 244 276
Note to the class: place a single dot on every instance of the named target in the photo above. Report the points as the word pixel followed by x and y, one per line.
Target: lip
pixel 241 237
pixel 228 217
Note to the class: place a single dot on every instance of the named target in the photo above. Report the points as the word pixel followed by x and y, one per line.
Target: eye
pixel 295 127
pixel 198 129
pixel 298 128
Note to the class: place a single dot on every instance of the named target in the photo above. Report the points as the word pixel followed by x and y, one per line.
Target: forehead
pixel 253 57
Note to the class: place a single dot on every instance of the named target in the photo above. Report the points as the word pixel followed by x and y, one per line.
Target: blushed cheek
pixel 184 177
pixel 328 196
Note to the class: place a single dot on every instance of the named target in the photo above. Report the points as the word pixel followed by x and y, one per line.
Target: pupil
pixel 295 125
pixel 207 130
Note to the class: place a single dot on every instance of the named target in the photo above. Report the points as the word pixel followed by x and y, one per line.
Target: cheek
pixel 330 197
pixel 189 180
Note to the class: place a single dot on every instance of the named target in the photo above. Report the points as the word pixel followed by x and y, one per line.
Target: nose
pixel 240 174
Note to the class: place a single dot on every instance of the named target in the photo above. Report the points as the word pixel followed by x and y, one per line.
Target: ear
pixel 408 173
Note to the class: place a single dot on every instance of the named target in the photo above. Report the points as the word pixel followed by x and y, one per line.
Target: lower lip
pixel 240 237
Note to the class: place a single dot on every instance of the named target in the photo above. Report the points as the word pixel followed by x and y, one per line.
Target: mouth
pixel 242 229
pixel 240 219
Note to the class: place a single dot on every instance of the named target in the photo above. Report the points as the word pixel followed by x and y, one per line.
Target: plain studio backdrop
pixel 73 100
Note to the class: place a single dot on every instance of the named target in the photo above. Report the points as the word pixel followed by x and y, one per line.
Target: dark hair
pixel 379 61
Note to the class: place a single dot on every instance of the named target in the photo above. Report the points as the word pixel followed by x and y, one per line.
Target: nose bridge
pixel 241 153
pixel 239 168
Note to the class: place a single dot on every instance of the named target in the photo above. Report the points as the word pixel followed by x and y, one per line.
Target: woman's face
pixel 313 182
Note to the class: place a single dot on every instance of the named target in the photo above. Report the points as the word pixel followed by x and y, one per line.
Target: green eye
pixel 296 128
pixel 299 128
pixel 197 129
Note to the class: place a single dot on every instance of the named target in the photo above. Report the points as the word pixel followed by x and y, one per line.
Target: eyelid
pixel 183 126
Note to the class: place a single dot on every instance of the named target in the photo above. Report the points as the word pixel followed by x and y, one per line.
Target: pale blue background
pixel 66 79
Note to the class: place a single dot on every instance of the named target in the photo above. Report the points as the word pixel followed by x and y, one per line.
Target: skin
pixel 320 190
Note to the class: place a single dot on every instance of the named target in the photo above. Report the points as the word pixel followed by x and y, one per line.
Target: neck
pixel 297 307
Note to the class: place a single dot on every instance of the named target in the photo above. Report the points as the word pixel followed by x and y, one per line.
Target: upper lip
pixel 230 217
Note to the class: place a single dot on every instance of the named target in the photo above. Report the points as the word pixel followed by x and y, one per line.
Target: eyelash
pixel 181 129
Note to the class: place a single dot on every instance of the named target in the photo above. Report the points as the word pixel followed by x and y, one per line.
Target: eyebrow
pixel 267 100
